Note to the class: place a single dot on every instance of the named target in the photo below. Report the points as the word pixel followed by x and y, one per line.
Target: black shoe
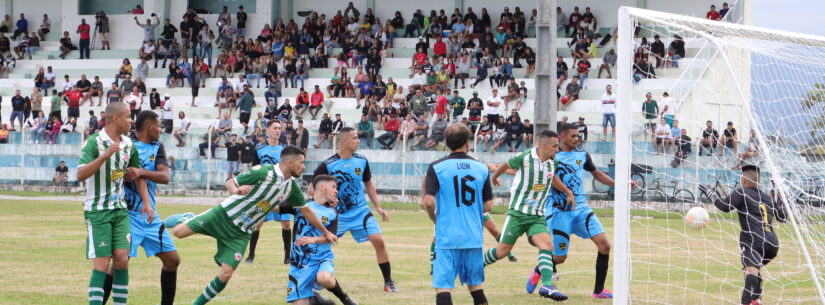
pixel 390 287
pixel 250 259
pixel 512 259
pixel 349 301
pixel 318 299
pixel 286 260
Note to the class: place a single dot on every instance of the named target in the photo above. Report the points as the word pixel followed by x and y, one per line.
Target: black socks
pixel 478 297
pixel 253 243
pixel 338 292
pixel 287 237
pixel 107 287
pixel 601 271
pixel 168 285
pixel 385 271
pixel 443 298
pixel 749 292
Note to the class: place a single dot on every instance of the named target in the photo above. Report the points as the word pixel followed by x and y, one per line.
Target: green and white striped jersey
pixel 269 188
pixel 531 184
pixel 104 189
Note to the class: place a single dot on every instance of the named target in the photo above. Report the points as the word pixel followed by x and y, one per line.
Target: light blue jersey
pixel 571 166
pixel 151 155
pixel 152 237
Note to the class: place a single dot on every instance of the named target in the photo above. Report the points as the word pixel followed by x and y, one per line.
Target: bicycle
pixel 683 197
pixel 720 189
pixel 636 171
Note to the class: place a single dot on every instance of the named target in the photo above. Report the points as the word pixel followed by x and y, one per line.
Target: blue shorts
pixel 581 221
pixel 609 118
pixel 153 237
pixel 360 223
pixel 467 264
pixel 277 217
pixel 302 280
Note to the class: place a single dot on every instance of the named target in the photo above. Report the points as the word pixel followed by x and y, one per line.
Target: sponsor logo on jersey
pixel 358 171
pixel 116 175
pixel 263 204
pixel 538 188
pixel 256 167
pixel 238 256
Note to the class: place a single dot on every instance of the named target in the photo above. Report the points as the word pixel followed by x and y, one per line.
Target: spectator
pixel 420 132
pixel 365 131
pixel 642 70
pixel 608 61
pixel 114 94
pixel 324 131
pixel 499 133
pixel 148 27
pixel 751 152
pixel 571 93
pixel 301 136
pixel 583 69
pixel 391 132
pixel 337 125
pixel 17 106
pixel 45 27
pixel 85 87
pixel 271 110
pixel 493 104
pixel 48 81
pixel 582 127
pixel 301 103
pixel 316 102
pixel 57 101
pixel 167 114
pixel 38 127
pixel 36 101
pixel 650 109
pixel 657 48
pixel 102 23
pixel 225 126
pixel 301 73
pixel 515 133
pixel 92 126
pixel 668 108
pixel 457 105
pixel 69 126
pixel 407 130
pixel 96 90
pixel 676 50
pixel 683 148
pixel 183 130
pixel 713 14
pixel 241 17
pixel 55 129
pixel 418 102
pixel 22 27
pixel 124 71
pixel 4 133
pixel 608 112
pixel 285 111
pixel 138 10
pixel 675 135
pixel 61 174
pixel 147 50
pixel 134 99
pixel 25 44
pixel 260 124
pixel 710 139
pixel 663 136
pixel 215 138
pixel 724 11
pixel 83 29
pixel 233 157
pixel 245 104
pixel 5 25
pixel 730 140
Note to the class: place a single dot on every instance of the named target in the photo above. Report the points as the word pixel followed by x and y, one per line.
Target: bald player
pixel 104 160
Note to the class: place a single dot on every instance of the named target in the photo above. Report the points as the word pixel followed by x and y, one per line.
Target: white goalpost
pixel 742 95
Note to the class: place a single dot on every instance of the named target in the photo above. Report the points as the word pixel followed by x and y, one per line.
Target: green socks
pixel 490 257
pixel 96 287
pixel 120 287
pixel 546 267
pixel 212 289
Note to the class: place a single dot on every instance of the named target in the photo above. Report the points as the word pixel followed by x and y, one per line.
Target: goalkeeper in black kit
pixel 757 240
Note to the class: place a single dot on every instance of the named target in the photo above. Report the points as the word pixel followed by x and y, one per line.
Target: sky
pixel 800 16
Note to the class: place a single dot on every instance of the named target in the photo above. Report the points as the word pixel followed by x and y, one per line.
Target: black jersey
pixel 757 211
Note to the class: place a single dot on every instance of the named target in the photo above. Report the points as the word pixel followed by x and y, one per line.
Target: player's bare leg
pixel 544 243
pixel 326 280
pixel 383 258
pixel 491 227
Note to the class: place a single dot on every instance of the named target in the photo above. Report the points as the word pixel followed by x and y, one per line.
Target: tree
pixel 815 100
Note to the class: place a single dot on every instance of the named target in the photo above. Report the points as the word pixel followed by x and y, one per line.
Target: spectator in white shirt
pixel 493 104
pixel 147 50
pixel 609 112
pixel 48 81
pixel 168 117
pixel 67 84
pixel 668 108
pixel 183 130
pixel 662 143
pixel 419 79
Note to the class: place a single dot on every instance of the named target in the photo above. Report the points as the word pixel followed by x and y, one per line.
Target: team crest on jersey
pixel 579 162
pixel 289 290
pixel 152 158
pixel 129 237
pixel 263 205
pixel 358 171
pixel 324 220
pixel 538 188
pixel 281 197
pixel 116 175
pixel 562 246
pixel 238 256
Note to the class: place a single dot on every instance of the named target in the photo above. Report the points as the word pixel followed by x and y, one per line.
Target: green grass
pixel 36 193
pixel 43 263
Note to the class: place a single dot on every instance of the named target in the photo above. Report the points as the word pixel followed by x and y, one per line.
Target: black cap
pixel 750 167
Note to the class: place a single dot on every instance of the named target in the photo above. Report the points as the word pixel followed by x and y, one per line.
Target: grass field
pixel 43 262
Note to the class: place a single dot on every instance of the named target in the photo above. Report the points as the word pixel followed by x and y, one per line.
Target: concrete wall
pixel 34 13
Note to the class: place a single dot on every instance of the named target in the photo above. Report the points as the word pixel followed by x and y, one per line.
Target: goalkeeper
pixel 757 240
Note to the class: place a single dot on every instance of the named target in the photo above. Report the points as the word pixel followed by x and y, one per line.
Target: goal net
pixel 711 78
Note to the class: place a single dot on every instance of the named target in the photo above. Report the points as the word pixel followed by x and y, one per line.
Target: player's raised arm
pixel 492 167
pixel 504 167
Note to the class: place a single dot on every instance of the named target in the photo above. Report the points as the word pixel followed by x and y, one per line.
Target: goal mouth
pixel 736 96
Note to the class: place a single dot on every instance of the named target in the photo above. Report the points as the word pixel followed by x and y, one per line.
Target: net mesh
pixel 765 86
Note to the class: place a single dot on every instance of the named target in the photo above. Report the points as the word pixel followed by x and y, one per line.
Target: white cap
pixel 166 95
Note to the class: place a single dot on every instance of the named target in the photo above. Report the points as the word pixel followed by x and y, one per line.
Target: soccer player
pixel 234 220
pixel 578 217
pixel 312 258
pixel 456 210
pixel 151 236
pixel 102 166
pixel 534 176
pixel 757 241
pixel 269 152
pixel 354 215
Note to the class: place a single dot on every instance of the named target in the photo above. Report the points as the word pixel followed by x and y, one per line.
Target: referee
pixel 757 240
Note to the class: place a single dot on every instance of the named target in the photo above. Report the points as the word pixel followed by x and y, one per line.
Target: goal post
pixel 763 83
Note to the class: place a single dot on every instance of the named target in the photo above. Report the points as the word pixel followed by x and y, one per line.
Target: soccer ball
pixel 697 218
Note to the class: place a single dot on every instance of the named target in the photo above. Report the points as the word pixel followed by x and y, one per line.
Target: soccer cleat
pixel 605 294
pixel 512 258
pixel 550 292
pixel 250 259
pixel 318 299
pixel 349 301
pixel 390 287
pixel 533 281
pixel 286 260
pixel 174 220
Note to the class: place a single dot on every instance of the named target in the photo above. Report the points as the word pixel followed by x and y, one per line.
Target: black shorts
pixel 244 117
pixel 95 93
pixel 195 89
pixel 57 114
pixel 758 253
pixel 167 125
pixel 44 30
pixel 729 144
pixel 74 112
pixel 493 118
pixel 660 140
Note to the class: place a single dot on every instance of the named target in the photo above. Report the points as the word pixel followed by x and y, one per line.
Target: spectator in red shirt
pixel 83 29
pixel 316 102
pixel 573 20
pixel 301 103
pixel 441 103
pixel 73 100
pixel 391 128
pixel 440 48
pixel 137 10
pixel 713 14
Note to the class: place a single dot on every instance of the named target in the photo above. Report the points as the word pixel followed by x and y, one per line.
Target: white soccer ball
pixel 697 218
